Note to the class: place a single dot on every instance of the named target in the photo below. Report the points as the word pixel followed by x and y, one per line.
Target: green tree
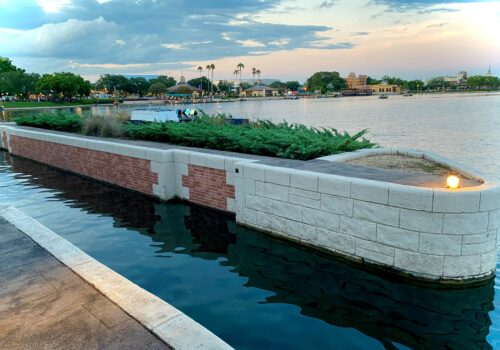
pixel 372 81
pixel 157 89
pixel 415 85
pixel 278 84
pixel 224 86
pixel 166 80
pixel 483 82
pixel 6 65
pixel 244 85
pixel 292 85
pixel 18 83
pixel 113 83
pixel 320 80
pixel 63 85
pixel 396 81
pixel 139 85
pixel 201 83
pixel 437 84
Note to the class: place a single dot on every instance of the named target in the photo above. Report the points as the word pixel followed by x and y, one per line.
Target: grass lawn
pixel 37 104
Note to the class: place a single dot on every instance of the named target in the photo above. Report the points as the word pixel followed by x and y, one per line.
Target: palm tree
pixel 212 68
pixel 254 72
pixel 208 68
pixel 235 73
pixel 239 67
pixel 258 72
pixel 200 70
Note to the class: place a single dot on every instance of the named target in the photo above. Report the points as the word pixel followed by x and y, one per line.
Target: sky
pixel 287 40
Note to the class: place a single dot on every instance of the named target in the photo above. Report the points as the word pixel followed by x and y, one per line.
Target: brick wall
pixel 129 172
pixel 207 186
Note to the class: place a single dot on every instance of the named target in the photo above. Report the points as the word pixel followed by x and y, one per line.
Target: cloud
pixel 174 46
pixel 327 4
pixel 422 5
pixel 279 42
pixel 130 32
pixel 336 46
pixel 437 10
pixel 437 25
pixel 250 43
pixel 53 6
pixel 359 33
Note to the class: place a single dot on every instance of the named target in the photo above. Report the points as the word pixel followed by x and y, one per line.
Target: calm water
pixel 465 127
pixel 252 291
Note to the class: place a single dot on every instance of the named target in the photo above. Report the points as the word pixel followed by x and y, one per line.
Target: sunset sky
pixel 286 40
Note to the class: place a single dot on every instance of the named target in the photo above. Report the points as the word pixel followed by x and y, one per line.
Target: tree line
pixel 15 81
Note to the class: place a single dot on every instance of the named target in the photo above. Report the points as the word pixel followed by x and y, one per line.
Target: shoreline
pixel 248 99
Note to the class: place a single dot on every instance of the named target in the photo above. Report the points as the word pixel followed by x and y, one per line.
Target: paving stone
pixel 44 305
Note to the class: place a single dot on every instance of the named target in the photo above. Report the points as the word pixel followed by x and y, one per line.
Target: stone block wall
pixel 432 234
pixel 428 233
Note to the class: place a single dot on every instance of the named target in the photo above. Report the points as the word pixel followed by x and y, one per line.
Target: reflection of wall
pixel 322 288
pixel 416 317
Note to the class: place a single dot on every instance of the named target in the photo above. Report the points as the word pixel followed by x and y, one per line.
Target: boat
pixel 160 115
pixel 383 96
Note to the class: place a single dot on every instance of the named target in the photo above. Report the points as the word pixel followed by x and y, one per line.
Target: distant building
pixel 261 91
pixel 356 82
pixel 183 88
pixel 385 89
pixel 489 72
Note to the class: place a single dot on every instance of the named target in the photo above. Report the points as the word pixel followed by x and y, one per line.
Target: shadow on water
pixel 325 289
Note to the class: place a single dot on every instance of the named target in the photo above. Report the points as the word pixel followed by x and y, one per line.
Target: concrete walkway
pixel 44 305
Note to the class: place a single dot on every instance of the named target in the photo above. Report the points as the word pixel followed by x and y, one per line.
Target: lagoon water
pixel 464 127
pixel 258 293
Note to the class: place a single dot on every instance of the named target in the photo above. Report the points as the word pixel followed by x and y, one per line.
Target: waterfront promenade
pixel 44 305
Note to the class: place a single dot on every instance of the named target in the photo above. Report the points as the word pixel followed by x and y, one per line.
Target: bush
pixel 283 140
pixel 61 121
pixel 103 126
pixel 294 141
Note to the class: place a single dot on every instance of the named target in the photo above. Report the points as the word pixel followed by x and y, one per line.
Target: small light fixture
pixel 452 181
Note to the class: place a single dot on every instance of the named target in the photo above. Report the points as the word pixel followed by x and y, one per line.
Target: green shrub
pixel 61 121
pixel 294 141
pixel 283 140
pixel 103 126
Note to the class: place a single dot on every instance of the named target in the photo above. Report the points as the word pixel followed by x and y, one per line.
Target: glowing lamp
pixel 452 181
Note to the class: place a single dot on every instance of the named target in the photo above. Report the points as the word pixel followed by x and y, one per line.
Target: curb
pixel 169 324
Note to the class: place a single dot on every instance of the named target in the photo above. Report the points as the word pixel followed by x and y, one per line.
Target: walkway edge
pixel 165 321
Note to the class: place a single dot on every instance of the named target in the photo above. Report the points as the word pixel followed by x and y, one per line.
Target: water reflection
pixel 324 289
